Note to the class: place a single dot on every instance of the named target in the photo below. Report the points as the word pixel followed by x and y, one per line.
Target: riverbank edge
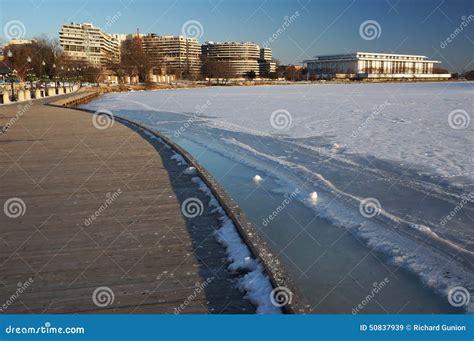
pixel 247 231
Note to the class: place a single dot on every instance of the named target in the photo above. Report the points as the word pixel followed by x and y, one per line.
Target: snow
pixel 179 159
pixel 254 283
pixel 405 123
pixel 190 171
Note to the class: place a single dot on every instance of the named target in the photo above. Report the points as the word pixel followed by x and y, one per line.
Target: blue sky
pixel 322 26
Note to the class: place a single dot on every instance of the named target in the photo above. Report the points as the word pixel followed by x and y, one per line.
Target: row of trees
pixel 43 60
pixel 134 61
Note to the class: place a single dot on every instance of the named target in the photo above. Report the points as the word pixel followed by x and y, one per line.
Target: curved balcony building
pixel 239 58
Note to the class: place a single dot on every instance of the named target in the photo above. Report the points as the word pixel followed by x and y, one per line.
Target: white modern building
pixel 368 65
pixel 84 42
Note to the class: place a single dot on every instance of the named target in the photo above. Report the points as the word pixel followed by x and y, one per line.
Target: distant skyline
pixel 441 30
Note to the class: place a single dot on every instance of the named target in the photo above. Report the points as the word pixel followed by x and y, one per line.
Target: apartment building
pixel 86 43
pixel 177 55
pixel 265 62
pixel 239 58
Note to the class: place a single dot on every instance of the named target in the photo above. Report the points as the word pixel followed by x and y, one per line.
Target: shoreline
pixel 246 230
pixel 100 90
pixel 198 93
pixel 83 253
pixel 103 89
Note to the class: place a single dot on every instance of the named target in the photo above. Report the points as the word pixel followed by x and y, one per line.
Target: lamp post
pixel 43 64
pixel 12 74
pixel 74 75
pixel 80 76
pixel 60 76
pixel 10 56
pixel 55 78
pixel 28 60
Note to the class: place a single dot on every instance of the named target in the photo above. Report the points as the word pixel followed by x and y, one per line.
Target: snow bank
pixel 255 284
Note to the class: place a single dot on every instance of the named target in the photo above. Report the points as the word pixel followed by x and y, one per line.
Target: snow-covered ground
pixel 403 149
pixel 405 123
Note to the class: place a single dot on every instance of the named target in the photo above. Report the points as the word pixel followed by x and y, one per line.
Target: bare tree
pixel 133 59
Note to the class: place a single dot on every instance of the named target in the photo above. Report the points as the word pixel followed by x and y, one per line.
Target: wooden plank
pixel 141 246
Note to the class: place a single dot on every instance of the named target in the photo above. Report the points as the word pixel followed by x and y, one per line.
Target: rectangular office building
pixel 368 65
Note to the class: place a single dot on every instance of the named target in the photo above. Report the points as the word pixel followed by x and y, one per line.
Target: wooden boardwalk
pixel 138 254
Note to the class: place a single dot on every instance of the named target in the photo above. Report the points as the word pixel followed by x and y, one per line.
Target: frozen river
pixel 391 165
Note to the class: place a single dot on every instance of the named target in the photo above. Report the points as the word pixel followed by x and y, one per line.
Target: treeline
pixel 44 60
